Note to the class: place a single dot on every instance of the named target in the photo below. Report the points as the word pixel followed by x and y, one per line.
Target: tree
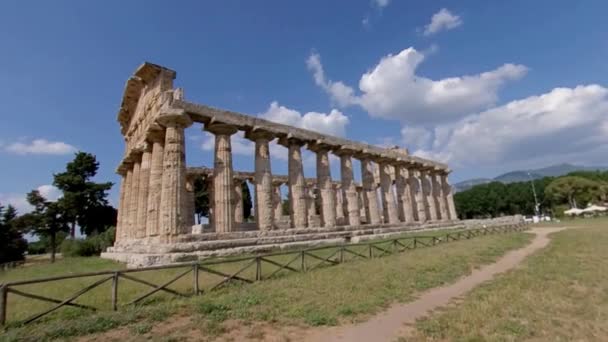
pixel 12 243
pixel 575 191
pixel 84 202
pixel 201 198
pixel 47 219
pixel 247 203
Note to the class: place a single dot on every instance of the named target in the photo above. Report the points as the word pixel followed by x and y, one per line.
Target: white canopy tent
pixel 573 211
pixel 594 208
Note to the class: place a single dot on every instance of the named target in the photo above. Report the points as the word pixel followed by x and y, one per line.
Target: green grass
pixel 560 294
pixel 327 296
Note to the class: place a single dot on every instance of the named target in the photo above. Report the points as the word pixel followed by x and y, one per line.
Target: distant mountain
pixel 522 176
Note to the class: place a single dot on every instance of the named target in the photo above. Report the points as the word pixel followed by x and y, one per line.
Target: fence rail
pixel 300 261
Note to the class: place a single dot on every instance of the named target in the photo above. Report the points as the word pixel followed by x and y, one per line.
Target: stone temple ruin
pixel 399 192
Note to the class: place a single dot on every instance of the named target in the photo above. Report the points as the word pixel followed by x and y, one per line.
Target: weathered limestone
pixel 297 185
pixel 340 205
pixel 324 184
pixel 405 202
pixel 223 186
pixel 388 200
pixel 448 192
pixel 277 200
pixel 421 206
pixel 157 138
pixel 349 191
pixel 429 198
pixel 311 204
pixel 121 217
pixel 190 205
pixel 372 213
pixel 438 189
pixel 134 196
pixel 144 185
pixel 238 202
pixel 172 220
pixel 264 203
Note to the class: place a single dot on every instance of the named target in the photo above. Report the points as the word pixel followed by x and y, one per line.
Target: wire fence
pixel 197 278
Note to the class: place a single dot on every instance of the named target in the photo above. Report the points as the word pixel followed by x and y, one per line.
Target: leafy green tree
pixel 47 219
pixel 12 243
pixel 84 202
pixel 575 191
pixel 201 198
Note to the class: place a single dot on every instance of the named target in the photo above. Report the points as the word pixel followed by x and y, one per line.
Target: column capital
pixel 319 146
pixel 123 168
pixel 220 128
pixel 257 134
pixel 156 135
pixel 345 150
pixel 287 141
pixel 174 118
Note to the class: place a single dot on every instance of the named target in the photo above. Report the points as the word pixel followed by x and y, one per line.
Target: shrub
pixel 90 246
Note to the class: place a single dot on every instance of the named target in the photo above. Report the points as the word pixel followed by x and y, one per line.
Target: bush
pixel 36 247
pixel 90 246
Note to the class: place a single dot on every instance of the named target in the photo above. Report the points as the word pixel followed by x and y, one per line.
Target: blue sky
pixel 486 86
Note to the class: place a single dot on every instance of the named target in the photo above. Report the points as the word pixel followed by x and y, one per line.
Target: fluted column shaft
pixel 349 191
pixel 238 201
pixel 311 204
pixel 449 197
pixel 388 200
pixel 361 202
pixel 142 200
pixel 340 205
pixel 156 184
pixel 372 213
pixel 134 197
pixel 122 205
pixel 404 199
pixel 277 202
pixel 442 204
pixel 264 191
pixel 223 185
pixel 172 221
pixel 428 196
pixel 190 205
pixel 326 190
pixel 297 186
pixel 416 184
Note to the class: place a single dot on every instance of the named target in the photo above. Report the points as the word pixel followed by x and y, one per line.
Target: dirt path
pixel 393 322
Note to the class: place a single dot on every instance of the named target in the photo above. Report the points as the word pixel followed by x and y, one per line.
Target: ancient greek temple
pixel 398 191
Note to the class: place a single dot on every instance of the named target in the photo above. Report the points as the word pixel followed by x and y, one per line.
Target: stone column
pixel 311 203
pixel 157 138
pixel 415 183
pixel 144 183
pixel 277 201
pixel 324 184
pixel 223 186
pixel 297 185
pixel 172 221
pixel 372 212
pixel 126 224
pixel 238 201
pixel 438 189
pixel 264 203
pixel 449 196
pixel 361 202
pixel 190 205
pixel 122 205
pixel 349 191
pixel 428 195
pixel 134 196
pixel 404 199
pixel 211 192
pixel 339 200
pixel 388 200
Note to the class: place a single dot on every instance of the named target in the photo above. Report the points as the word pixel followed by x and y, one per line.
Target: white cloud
pixel 565 124
pixel 381 3
pixel 442 21
pixel 19 201
pixel 393 90
pixel 40 146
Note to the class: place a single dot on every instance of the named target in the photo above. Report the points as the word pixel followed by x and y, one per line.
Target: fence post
pixel 371 253
pixel 258 268
pixel 115 291
pixel 195 279
pixel 415 242
pixel 302 262
pixel 342 254
pixel 3 303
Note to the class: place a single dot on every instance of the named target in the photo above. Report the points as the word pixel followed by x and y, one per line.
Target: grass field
pixel 559 294
pixel 323 297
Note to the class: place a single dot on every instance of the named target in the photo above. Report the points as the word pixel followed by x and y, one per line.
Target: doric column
pixel 324 184
pixel 190 205
pixel 311 203
pixel 264 203
pixel 340 205
pixel 404 199
pixel 428 195
pixel 172 221
pixel 297 185
pixel 122 205
pixel 134 197
pixel 238 201
pixel 157 138
pixel 349 191
pixel 372 212
pixel 361 202
pixel 211 194
pixel 126 224
pixel 388 200
pixel 277 201
pixel 449 195
pixel 416 184
pixel 144 184
pixel 223 186
pixel 439 195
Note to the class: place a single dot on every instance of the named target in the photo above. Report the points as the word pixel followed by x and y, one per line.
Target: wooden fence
pixel 248 269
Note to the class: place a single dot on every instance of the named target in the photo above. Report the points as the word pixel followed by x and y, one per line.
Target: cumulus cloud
pixel 393 90
pixel 381 3
pixel 564 124
pixel 442 21
pixel 19 201
pixel 40 146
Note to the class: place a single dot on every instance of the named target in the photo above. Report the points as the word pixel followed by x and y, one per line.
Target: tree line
pixel 554 195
